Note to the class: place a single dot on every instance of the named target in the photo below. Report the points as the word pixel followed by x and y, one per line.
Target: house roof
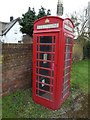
pixel 2 27
pixel 8 26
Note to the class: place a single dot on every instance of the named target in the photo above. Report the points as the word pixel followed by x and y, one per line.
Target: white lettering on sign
pixel 55 25
pixel 68 28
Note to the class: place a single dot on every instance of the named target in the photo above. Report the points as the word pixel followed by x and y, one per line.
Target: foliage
pixel 21 105
pixel 81 26
pixel 0 59
pixel 29 18
pixel 76 23
pixel 27 21
pixel 43 13
pixel 48 12
pixel 86 50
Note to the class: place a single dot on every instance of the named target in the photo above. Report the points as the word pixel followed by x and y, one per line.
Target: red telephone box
pixel 52 58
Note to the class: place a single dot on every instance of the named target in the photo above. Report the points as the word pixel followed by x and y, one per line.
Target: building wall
pixel 16 67
pixel 13 35
pixel 77 51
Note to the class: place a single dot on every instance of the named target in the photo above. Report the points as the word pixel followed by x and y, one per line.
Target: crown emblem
pixel 47 21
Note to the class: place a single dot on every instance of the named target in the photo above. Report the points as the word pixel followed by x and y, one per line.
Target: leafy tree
pixel 29 17
pixel 48 12
pixel 27 21
pixel 82 30
pixel 76 23
pixel 81 26
pixel 42 12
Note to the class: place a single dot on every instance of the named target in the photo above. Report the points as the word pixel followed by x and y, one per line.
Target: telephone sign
pixel 52 59
pixel 47 26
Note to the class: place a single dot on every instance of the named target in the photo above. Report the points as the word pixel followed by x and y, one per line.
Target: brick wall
pixel 16 67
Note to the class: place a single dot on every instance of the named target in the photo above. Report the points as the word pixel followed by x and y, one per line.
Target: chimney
pixel 60 8
pixel 11 18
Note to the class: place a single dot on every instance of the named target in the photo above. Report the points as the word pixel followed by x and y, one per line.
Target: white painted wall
pixel 13 35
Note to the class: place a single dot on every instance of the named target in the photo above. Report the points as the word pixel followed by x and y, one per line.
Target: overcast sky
pixel 16 8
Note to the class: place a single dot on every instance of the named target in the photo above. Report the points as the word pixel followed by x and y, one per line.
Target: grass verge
pixel 79 76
